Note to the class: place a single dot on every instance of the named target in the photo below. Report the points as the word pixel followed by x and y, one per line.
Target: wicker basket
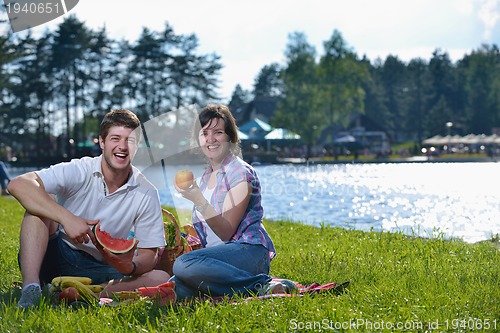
pixel 168 255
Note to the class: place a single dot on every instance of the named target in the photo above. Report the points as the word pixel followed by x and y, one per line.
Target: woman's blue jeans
pixel 232 268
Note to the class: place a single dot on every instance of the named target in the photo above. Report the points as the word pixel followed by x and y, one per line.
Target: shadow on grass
pixel 11 296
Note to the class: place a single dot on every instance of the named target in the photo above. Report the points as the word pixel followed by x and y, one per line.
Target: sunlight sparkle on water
pixel 428 199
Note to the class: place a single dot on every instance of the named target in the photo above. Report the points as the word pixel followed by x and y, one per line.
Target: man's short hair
pixel 119 117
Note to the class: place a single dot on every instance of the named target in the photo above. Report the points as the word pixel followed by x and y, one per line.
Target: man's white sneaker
pixel 30 296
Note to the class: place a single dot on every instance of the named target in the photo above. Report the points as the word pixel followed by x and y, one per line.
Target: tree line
pixel 411 101
pixel 56 87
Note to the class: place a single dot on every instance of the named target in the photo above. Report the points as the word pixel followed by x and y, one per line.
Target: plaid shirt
pixel 250 230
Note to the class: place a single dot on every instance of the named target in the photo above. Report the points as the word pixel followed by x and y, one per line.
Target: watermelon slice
pixel 163 294
pixel 114 245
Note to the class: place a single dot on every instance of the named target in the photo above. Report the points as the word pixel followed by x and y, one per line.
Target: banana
pixel 85 292
pixel 56 282
pixel 95 288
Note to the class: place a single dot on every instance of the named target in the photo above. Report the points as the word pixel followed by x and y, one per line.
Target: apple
pixel 184 179
pixel 69 295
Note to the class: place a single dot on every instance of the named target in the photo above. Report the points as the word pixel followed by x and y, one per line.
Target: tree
pixel 393 78
pixel 418 99
pixel 375 97
pixel 239 99
pixel 268 82
pixel 101 73
pixel 341 78
pixel 481 71
pixel 69 50
pixel 194 77
pixel 299 109
pixel 167 73
pixel 122 93
pixel 10 52
pixel 147 72
pixel 31 114
pixel 240 96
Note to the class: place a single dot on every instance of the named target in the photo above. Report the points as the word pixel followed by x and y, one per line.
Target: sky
pixel 251 34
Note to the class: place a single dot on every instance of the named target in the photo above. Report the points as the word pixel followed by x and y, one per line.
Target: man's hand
pixel 79 230
pixel 122 262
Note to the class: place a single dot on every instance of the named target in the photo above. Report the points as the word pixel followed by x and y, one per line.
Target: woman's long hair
pixel 217 111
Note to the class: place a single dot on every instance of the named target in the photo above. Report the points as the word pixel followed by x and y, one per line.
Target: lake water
pixel 427 199
pixel 459 200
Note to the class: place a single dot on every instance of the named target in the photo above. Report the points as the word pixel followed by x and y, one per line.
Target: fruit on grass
pixel 95 288
pixel 75 288
pixel 84 293
pixel 114 245
pixel 56 282
pixel 184 179
pixel 126 295
pixel 151 291
pixel 69 295
pixel 162 294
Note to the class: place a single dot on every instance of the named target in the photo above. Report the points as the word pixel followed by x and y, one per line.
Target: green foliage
pixel 341 76
pixel 299 109
pixel 395 280
pixel 267 83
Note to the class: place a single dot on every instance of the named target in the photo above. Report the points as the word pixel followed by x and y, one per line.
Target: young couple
pixel 64 201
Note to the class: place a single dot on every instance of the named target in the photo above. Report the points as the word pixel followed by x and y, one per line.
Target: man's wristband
pixel 133 269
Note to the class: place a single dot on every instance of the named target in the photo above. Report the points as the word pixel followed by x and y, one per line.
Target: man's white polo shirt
pixel 79 187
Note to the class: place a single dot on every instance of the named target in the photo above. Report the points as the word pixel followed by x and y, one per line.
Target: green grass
pixel 397 282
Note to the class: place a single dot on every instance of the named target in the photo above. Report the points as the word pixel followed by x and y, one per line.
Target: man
pixel 56 236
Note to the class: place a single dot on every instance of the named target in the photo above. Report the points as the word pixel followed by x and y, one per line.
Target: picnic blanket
pixel 299 290
pixel 312 288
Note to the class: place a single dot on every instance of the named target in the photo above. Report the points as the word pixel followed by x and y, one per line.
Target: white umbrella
pixel 491 138
pixel 281 134
pixel 435 140
pixel 470 139
pixel 345 139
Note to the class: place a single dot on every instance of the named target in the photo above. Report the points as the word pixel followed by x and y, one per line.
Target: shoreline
pixel 413 159
pixel 273 159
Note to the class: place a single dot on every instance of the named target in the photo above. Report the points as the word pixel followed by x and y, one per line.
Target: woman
pixel 227 215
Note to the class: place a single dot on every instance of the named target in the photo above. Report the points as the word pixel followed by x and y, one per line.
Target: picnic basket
pixel 168 254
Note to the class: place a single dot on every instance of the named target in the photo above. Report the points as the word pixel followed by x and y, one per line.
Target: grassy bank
pixel 398 283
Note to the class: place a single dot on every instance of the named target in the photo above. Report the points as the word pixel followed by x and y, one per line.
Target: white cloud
pixel 489 14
